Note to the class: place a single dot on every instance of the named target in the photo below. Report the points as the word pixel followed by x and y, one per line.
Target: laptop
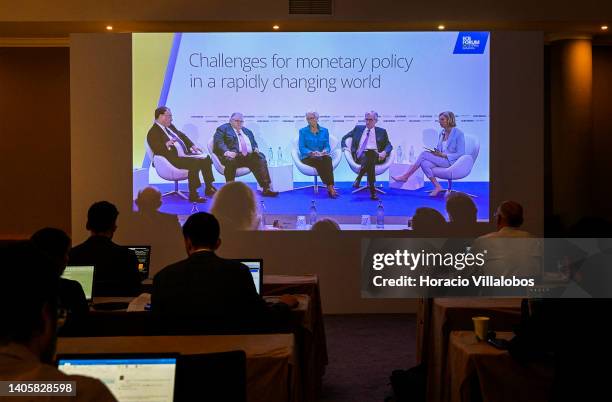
pixel 83 274
pixel 256 267
pixel 143 254
pixel 131 377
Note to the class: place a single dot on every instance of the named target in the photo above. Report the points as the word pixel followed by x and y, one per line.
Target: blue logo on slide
pixel 471 42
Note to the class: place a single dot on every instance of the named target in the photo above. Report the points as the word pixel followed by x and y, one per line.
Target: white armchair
pixel 242 171
pixel 167 171
pixel 356 167
pixel 336 155
pixel 462 166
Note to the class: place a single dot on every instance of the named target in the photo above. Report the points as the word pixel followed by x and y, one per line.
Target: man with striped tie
pixel 370 145
pixel 167 141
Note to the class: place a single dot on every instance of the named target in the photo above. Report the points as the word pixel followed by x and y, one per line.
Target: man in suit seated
pixel 206 291
pixel 29 309
pixel 236 147
pixel 116 266
pixel 167 141
pixel 370 146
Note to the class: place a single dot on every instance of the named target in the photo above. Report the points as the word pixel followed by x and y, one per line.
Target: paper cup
pixel 481 327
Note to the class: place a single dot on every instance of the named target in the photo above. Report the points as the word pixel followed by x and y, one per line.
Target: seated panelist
pixel 370 146
pixel 451 145
pixel 166 140
pixel 315 151
pixel 236 147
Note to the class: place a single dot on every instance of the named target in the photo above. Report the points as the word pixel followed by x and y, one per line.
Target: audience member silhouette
pixel 205 292
pixel 508 220
pixel 462 213
pixel 55 244
pixel 235 208
pixel 509 251
pixel 29 292
pixel 428 222
pixel 116 266
pixel 149 226
pixel 325 225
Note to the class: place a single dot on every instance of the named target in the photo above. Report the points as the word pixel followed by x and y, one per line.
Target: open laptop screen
pixel 143 254
pixel 130 377
pixel 83 274
pixel 256 268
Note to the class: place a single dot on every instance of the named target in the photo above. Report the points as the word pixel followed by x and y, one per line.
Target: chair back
pixel 472 146
pixel 148 150
pixel 221 376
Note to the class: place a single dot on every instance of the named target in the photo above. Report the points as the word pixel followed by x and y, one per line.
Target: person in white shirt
pixel 370 145
pixel 509 250
pixel 508 220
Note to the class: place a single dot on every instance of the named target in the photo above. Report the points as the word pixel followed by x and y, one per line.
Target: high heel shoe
pixel 331 191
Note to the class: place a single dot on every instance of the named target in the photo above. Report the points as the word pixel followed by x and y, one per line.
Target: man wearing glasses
pixel 370 145
pixel 167 141
pixel 236 147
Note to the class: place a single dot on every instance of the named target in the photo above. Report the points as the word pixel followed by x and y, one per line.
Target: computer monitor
pixel 143 253
pixel 130 377
pixel 83 274
pixel 256 267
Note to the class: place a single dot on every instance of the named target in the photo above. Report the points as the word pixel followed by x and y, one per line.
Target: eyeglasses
pixel 238 121
pixel 369 119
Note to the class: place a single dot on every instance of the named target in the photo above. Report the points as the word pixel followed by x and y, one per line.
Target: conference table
pixel 306 284
pixel 272 368
pixel 479 371
pixel 438 317
pixel 315 343
pixel 312 344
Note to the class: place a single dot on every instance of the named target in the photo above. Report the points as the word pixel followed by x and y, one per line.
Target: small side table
pixel 281 176
pixel 140 180
pixel 415 181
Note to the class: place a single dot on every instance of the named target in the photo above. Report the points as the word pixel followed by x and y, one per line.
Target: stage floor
pixel 397 203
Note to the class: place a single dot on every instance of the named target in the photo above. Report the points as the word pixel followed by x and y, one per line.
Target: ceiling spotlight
pixel 109 27
pixel 604 27
pixel 441 27
pixel 275 27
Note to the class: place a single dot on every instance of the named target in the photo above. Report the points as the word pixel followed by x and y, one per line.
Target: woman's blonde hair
pixel 450 116
pixel 235 208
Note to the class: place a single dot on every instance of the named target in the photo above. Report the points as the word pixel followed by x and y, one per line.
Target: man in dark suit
pixel 167 141
pixel 205 289
pixel 116 266
pixel 236 147
pixel 370 145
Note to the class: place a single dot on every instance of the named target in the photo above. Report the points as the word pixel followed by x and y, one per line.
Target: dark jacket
pixel 205 292
pixel 116 267
pixel 225 139
pixel 382 139
pixel 157 141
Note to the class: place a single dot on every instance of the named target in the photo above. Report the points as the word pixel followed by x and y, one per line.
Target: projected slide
pixel 345 119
